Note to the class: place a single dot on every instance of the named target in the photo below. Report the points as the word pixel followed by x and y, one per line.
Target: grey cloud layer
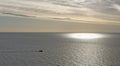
pixel 100 9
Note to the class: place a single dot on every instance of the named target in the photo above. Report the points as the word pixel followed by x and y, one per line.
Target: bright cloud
pixel 116 6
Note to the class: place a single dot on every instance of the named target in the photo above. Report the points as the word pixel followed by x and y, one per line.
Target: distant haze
pixel 19 24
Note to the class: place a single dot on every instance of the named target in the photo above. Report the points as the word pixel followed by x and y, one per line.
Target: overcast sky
pixel 51 14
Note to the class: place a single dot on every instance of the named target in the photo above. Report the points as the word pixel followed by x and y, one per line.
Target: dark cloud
pixel 14 14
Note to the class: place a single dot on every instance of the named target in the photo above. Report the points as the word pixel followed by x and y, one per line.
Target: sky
pixel 59 15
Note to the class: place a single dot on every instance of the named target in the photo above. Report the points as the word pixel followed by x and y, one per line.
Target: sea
pixel 59 49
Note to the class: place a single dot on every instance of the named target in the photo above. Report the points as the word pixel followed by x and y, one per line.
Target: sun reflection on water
pixel 85 35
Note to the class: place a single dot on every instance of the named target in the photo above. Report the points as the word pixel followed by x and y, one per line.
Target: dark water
pixel 20 49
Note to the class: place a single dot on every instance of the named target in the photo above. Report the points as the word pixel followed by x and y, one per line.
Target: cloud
pixel 101 11
pixel 116 6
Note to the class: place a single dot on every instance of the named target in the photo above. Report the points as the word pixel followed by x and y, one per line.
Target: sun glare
pixel 85 35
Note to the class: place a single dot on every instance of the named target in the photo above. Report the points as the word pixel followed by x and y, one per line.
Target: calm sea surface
pixel 59 49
